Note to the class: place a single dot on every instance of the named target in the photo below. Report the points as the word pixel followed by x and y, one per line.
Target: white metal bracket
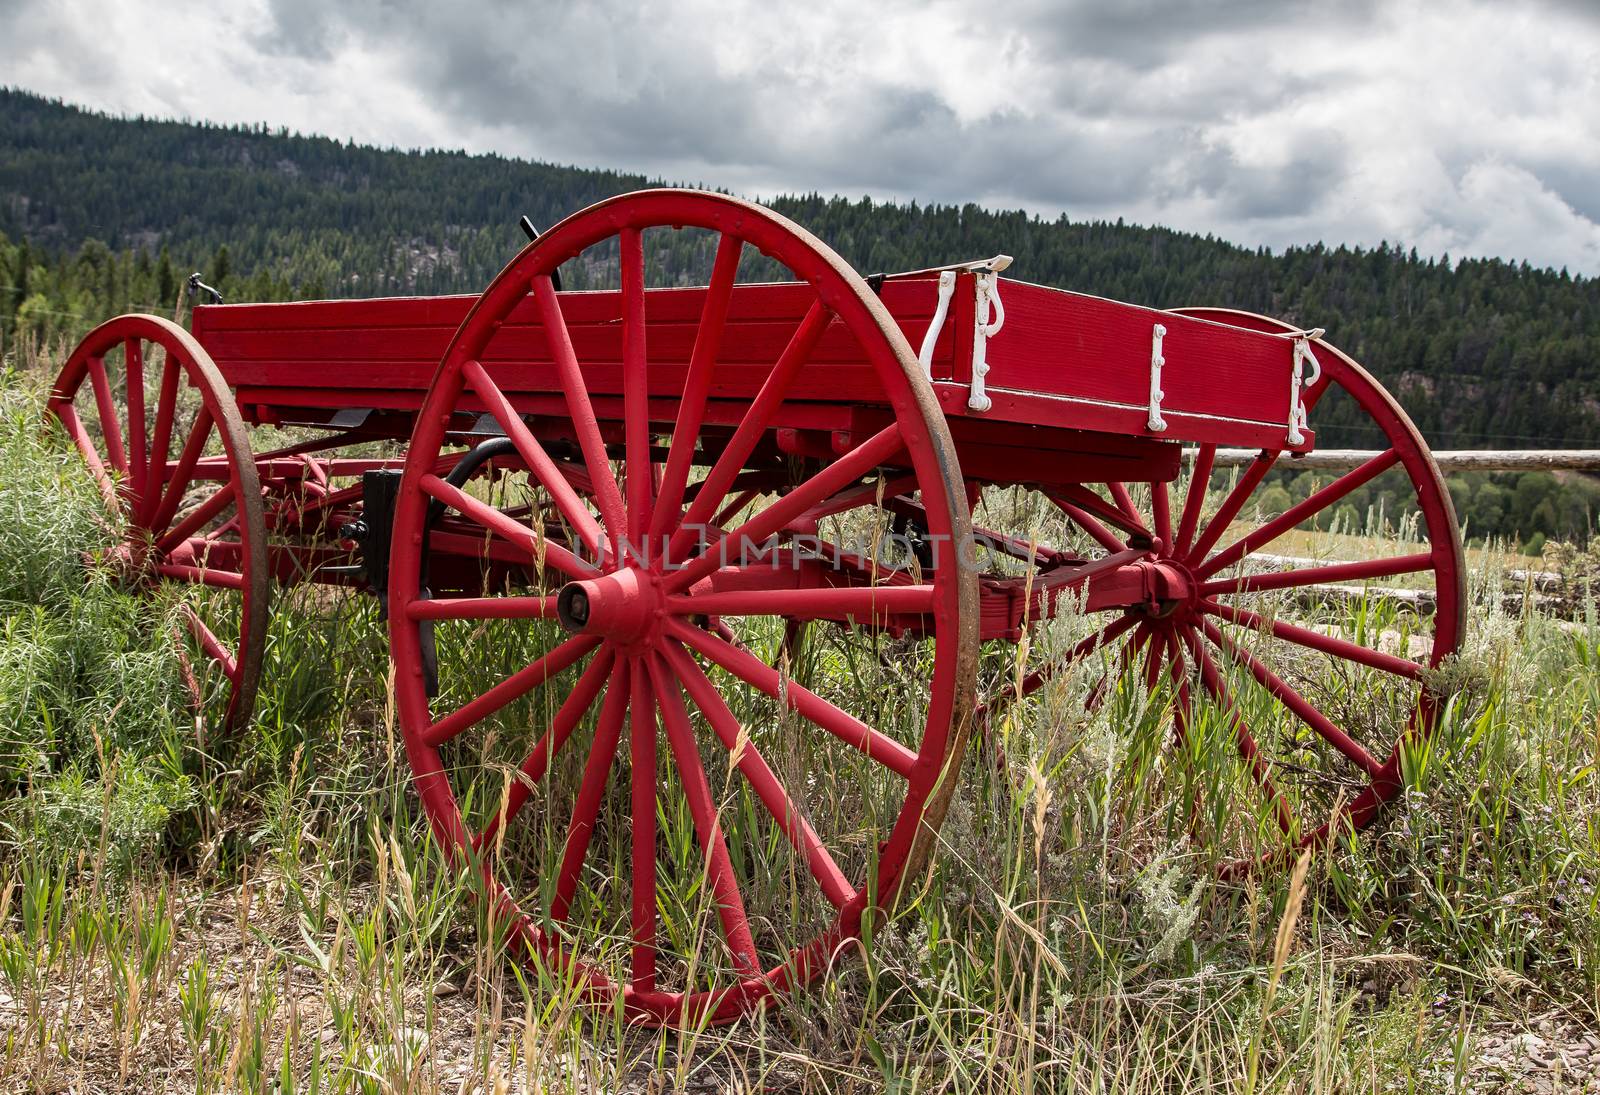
pixel 947 289
pixel 1156 423
pixel 993 265
pixel 1298 382
pixel 983 329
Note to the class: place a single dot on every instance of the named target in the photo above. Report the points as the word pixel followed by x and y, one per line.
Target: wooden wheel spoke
pixel 538 761
pixel 475 541
pixel 581 410
pixel 642 776
pixel 1161 508
pixel 488 517
pixel 1260 770
pixel 879 492
pixel 1154 653
pixel 717 865
pixel 160 441
pixel 1309 576
pixel 1232 504
pixel 544 469
pixel 790 819
pixel 138 457
pixel 765 523
pixel 1142 638
pixel 752 427
pixel 209 642
pixel 197 518
pixel 1194 500
pixel 696 386
pixel 1289 518
pixel 1316 640
pixel 737 503
pixel 1182 700
pixel 762 677
pixel 864 604
pixel 178 481
pixel 639 466
pixel 1293 701
pixel 483 608
pixel 507 691
pixel 1108 634
pixel 110 425
pixel 1124 503
pixel 1086 521
pixel 591 790
pixel 97 468
pixel 201 575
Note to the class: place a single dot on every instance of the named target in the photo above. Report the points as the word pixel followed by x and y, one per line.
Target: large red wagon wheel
pixel 161 434
pixel 1316 711
pixel 696 881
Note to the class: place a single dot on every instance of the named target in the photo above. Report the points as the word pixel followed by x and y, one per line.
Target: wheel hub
pixel 1159 588
pixel 1177 591
pixel 132 562
pixel 626 606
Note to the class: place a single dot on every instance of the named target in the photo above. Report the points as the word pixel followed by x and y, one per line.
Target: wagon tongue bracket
pixel 1132 580
pixel 1155 587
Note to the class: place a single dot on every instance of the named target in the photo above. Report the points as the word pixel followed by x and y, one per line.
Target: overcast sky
pixel 1456 126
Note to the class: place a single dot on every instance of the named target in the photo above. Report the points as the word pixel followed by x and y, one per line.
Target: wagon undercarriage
pixel 723 560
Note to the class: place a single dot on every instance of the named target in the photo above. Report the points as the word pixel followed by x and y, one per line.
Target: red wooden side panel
pixel 1062 360
pixel 395 344
pixel 1083 360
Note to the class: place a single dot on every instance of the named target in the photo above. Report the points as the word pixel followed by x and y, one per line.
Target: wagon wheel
pixel 162 437
pixel 803 815
pixel 1314 715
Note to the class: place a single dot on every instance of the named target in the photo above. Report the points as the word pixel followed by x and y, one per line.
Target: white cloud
pixel 1457 126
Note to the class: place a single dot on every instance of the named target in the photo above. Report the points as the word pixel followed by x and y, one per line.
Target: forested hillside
pixel 100 215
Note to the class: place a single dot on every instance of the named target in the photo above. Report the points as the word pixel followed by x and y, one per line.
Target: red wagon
pixel 603 521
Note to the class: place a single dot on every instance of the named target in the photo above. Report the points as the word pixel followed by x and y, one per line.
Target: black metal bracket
pixel 533 233
pixel 198 286
pixel 372 530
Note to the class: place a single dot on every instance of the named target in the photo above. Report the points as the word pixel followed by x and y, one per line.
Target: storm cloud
pixel 1461 127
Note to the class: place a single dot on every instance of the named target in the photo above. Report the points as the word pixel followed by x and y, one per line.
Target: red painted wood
pixel 1070 344
pixel 397 342
pixel 1061 361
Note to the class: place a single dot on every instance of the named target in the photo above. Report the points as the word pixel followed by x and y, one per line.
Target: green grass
pixel 183 912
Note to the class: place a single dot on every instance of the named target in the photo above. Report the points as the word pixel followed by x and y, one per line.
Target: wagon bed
pixel 1064 360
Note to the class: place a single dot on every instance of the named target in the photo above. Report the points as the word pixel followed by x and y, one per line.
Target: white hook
pixel 947 288
pixel 1298 381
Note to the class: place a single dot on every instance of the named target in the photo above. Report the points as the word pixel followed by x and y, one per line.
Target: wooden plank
pixel 1085 348
pixel 1448 459
pixel 397 342
pixel 1124 420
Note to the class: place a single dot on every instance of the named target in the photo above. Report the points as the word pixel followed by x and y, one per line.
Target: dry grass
pixel 285 924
